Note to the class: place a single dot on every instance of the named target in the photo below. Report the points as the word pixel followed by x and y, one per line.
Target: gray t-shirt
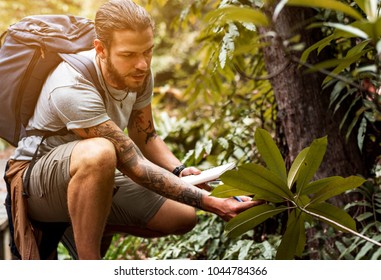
pixel 68 100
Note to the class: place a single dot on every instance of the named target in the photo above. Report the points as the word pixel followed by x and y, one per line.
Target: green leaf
pixel 343 64
pixel 333 213
pixel 337 187
pixel 318 185
pixel 311 162
pixel 294 239
pixel 224 191
pixel 295 167
pixel 270 153
pixel 339 86
pixel 350 29
pixel 369 7
pixel 318 45
pixel 327 4
pixel 257 179
pixel 240 14
pixel 250 218
pixel 361 133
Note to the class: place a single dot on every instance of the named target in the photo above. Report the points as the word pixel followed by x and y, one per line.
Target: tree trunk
pixel 303 113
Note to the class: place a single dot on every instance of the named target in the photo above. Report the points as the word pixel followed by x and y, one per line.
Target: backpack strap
pixel 85 66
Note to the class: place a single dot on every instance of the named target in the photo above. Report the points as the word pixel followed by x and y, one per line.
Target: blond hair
pixel 120 15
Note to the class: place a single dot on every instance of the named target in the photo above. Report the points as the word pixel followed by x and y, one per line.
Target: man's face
pixel 128 59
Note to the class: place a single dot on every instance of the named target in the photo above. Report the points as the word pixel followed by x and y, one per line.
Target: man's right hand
pixel 228 208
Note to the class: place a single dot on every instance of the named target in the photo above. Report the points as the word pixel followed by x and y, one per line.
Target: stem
pixel 339 225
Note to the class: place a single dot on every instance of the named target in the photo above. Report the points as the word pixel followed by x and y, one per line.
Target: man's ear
pixel 100 49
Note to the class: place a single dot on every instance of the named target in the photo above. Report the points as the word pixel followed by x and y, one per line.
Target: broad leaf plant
pixel 294 192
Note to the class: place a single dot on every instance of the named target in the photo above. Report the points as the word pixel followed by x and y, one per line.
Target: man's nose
pixel 142 63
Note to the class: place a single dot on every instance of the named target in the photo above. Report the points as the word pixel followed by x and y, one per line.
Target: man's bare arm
pixel 131 162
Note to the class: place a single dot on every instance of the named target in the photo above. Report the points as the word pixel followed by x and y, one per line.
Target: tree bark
pixel 303 112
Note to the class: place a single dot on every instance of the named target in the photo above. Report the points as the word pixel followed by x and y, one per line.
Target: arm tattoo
pixel 148 130
pixel 132 163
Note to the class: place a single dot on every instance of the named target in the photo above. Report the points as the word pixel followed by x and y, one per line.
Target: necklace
pixel 116 99
pixel 108 92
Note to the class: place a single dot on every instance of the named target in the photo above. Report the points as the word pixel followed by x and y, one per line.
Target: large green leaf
pixel 224 191
pixel 250 218
pixel 337 187
pixel 311 163
pixel 318 185
pixel 240 14
pixel 294 239
pixel 270 153
pixel 334 214
pixel 257 179
pixel 326 4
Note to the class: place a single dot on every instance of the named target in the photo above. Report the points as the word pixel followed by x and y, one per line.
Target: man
pixel 97 177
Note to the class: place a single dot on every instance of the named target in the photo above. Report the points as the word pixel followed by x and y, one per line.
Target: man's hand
pixel 190 171
pixel 228 208
pixel 195 171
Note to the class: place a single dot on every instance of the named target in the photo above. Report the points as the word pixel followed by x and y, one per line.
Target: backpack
pixel 31 48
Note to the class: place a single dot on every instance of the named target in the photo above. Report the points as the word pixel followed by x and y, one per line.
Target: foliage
pixel 206 241
pixel 366 211
pixel 353 74
pixel 293 192
pixel 368 218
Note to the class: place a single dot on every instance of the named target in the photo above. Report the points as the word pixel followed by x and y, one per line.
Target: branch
pixel 320 217
pixel 261 78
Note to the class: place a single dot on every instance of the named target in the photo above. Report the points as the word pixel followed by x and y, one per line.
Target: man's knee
pixel 188 222
pixel 98 153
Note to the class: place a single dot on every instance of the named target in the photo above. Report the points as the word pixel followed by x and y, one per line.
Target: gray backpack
pixel 31 48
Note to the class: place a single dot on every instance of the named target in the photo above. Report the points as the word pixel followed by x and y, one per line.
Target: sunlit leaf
pixel 348 29
pixel 333 213
pixel 250 218
pixel 327 4
pixel 239 14
pixel 369 7
pixel 270 153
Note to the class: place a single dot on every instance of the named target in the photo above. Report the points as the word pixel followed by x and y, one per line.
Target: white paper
pixel 209 174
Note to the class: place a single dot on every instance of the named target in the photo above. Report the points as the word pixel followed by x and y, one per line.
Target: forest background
pixel 301 70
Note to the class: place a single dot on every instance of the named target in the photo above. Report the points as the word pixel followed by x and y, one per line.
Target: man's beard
pixel 118 79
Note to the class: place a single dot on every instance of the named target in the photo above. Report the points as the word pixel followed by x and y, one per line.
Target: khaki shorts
pixel 132 205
